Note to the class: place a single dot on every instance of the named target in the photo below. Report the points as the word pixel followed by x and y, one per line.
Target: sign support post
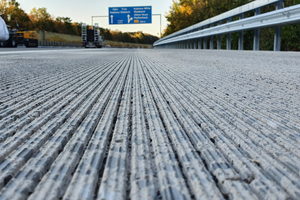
pixel 160 22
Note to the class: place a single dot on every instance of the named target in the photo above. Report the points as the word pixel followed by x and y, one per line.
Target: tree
pixel 12 13
pixel 184 13
pixel 41 19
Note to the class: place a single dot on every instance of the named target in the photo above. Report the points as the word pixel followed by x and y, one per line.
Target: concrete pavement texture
pixel 149 124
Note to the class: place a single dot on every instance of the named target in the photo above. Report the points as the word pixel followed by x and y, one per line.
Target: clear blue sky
pixel 81 11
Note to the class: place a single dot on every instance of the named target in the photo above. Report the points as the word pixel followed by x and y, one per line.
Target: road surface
pixel 149 124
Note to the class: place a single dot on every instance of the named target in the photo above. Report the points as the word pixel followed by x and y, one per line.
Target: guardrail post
pixel 211 45
pixel 195 43
pixel 219 38
pixel 205 40
pixel 277 37
pixel 228 45
pixel 205 43
pixel 192 43
pixel 241 37
pixel 200 43
pixel 256 34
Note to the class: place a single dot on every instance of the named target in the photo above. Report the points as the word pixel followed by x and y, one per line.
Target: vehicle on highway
pixel 12 40
pixel 4 33
pixel 27 38
pixel 91 37
pixel 12 37
pixel 107 46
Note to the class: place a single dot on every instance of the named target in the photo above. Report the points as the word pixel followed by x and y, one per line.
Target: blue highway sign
pixel 130 15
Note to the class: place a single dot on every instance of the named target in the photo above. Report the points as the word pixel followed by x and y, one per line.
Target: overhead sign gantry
pixel 130 15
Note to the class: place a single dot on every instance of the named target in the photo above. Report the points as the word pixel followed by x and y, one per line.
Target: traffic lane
pixel 18 50
pixel 209 125
pixel 27 64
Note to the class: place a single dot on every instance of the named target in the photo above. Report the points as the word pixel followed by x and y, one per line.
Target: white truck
pixel 4 33
pixel 91 38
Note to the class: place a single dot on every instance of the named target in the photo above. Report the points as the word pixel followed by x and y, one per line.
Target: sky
pixel 82 11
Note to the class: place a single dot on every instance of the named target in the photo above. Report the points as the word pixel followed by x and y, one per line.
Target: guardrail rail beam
pixel 281 16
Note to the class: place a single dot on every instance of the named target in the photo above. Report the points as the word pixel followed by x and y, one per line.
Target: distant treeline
pixel 131 37
pixel 184 13
pixel 40 19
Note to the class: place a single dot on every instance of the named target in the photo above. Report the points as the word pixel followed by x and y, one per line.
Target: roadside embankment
pixel 57 39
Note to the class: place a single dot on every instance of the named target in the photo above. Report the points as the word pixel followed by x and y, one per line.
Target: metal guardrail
pixel 237 11
pixel 191 37
pixel 58 44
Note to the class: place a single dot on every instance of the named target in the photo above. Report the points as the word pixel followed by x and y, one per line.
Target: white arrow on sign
pixel 112 19
pixel 129 19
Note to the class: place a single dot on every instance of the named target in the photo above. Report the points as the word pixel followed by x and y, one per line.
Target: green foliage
pixel 12 11
pixel 184 13
pixel 40 19
pixel 132 37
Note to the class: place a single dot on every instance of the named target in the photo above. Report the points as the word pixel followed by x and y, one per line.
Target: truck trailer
pixel 4 33
pixel 14 36
pixel 91 37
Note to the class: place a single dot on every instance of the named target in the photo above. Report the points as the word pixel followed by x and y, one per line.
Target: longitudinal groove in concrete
pixel 149 124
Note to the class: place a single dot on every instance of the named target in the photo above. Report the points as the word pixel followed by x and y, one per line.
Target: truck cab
pixel 91 38
pixel 27 38
pixel 6 36
pixel 12 40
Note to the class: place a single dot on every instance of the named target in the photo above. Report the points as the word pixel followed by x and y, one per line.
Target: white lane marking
pixel 14 52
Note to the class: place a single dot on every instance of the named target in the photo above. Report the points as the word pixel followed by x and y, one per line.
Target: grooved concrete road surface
pixel 149 124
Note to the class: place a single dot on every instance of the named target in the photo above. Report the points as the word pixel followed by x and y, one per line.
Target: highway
pixel 149 124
